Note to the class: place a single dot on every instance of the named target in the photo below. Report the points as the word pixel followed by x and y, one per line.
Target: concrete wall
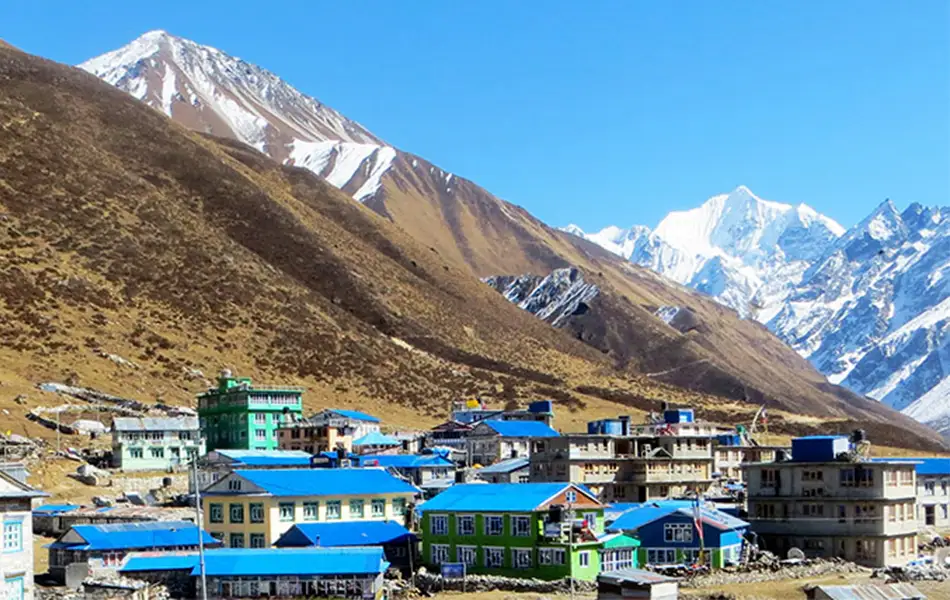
pixel 933 500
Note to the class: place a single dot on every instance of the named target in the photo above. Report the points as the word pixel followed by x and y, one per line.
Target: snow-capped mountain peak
pixel 867 306
pixel 211 91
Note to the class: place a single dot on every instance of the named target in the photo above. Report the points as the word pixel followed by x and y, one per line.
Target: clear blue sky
pixel 596 112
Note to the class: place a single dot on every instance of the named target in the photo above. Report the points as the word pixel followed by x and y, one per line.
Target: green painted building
pixel 155 443
pixel 236 415
pixel 530 530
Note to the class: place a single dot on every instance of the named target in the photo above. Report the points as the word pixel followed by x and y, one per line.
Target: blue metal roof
pixel 225 562
pixel 345 533
pixel 924 466
pixel 325 482
pixel 648 513
pixel 264 458
pixel 375 438
pixel 405 461
pixel 506 466
pixel 163 561
pixel 355 414
pixel 50 509
pixel 149 534
pixel 494 497
pixel 521 428
pixel 294 561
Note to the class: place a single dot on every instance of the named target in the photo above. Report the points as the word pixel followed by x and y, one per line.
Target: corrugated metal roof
pixel 648 513
pixel 506 466
pixel 924 466
pixel 345 533
pixel 154 423
pixel 635 576
pixel 294 561
pixel 375 438
pixel 495 497
pixel 261 458
pixel 324 482
pixel 521 428
pixel 148 534
pixel 355 414
pixel 405 461
pixel 50 509
pixel 890 591
pixel 161 561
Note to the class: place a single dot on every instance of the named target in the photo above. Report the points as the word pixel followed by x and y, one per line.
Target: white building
pixel 16 533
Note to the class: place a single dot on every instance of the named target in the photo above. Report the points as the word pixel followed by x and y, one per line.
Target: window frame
pixel 493 551
pixel 236 506
pixel 311 511
pixel 357 514
pixel 521 552
pixel 211 510
pixel 377 503
pixel 236 535
pixel 281 506
pixel 468 531
pixel 515 520
pixel 331 514
pixel 15 529
pixel 258 508
pixel 435 529
pixel 487 519
pixel 442 550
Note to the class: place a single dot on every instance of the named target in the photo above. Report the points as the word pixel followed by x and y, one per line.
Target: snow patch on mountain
pixel 554 298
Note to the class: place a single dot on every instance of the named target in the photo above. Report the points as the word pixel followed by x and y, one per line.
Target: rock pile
pixel 430 583
pixel 772 569
pixel 909 573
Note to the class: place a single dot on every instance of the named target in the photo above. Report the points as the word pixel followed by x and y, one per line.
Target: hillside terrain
pixel 868 306
pixel 139 257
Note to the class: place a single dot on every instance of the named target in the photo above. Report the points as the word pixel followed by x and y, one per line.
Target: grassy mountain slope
pixel 138 257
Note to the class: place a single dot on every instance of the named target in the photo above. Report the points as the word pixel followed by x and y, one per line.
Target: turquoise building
pixel 236 415
pixel 155 443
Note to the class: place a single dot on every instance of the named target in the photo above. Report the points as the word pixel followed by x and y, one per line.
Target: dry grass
pixel 124 234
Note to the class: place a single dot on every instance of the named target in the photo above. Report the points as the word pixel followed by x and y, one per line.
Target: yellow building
pixel 252 508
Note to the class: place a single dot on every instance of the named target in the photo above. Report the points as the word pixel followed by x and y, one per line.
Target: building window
pixel 310 511
pixel 930 488
pixel 399 506
pixel 494 557
pixel 257 540
pixel 218 535
pixel 260 435
pixel 661 556
pixel 814 544
pixel 591 519
pixel 812 475
pixel 260 418
pixel 678 532
pixel 466 555
pixel 520 526
pixel 286 510
pixel 237 513
pixel 440 524
pixel 524 478
pixel 257 512
pixel 551 556
pixel 378 507
pixel 237 540
pixel 521 558
pixel 440 553
pixel 157 452
pixel 136 453
pixel 813 510
pixel 494 524
pixel 234 485
pixel 12 536
pixel 357 509
pixel 216 513
pixel 465 524
pixel 14 589
pixel 847 477
pixel 334 511
pixel 769 477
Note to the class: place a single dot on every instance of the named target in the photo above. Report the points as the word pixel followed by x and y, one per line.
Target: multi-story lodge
pixel 539 530
pixel 155 443
pixel 252 509
pixel 326 431
pixel 16 533
pixel 933 491
pixel 829 502
pixel 732 450
pixel 624 463
pixel 237 415
pixel 491 441
pixel 474 411
pixel 218 463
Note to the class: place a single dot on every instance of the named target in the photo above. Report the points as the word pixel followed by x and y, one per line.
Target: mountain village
pixel 258 499
pixel 748 401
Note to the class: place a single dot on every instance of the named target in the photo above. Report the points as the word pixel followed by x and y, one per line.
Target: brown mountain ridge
pixel 122 234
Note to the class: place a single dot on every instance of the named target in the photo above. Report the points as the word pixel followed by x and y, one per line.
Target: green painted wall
pixel 233 414
pixel 534 541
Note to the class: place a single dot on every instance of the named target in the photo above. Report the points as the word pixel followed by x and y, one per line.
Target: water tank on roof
pixel 819 448
pixel 678 415
pixel 541 406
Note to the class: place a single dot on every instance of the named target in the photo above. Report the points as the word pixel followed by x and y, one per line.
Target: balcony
pixel 829 526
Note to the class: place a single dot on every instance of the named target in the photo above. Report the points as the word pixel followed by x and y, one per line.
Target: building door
pixel 642 494
pixel 930 515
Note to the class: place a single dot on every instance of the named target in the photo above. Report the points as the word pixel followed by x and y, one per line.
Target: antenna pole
pixel 201 541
